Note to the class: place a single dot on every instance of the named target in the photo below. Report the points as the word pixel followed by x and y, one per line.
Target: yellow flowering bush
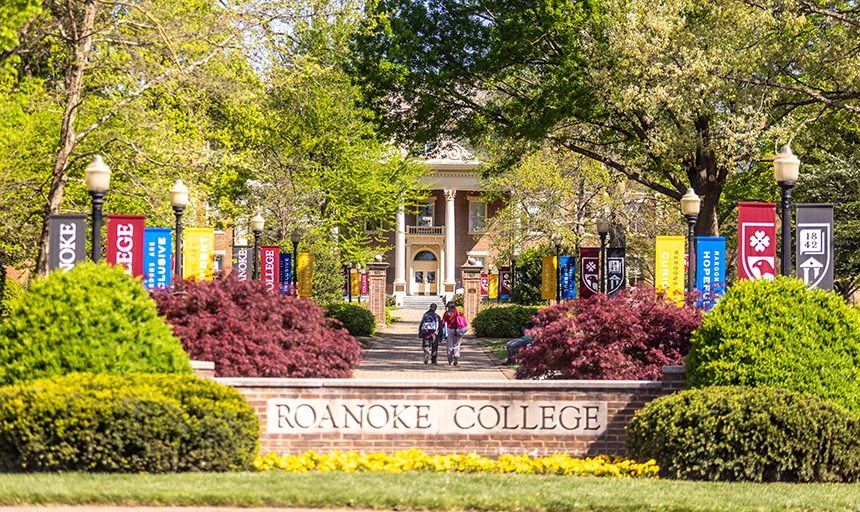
pixel 415 459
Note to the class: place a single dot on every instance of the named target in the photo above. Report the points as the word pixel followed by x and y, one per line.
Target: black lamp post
pixel 295 238
pixel 178 200
pixel 349 280
pixel 557 240
pixel 514 258
pixel 257 223
pixel 97 176
pixel 786 168
pixel 690 204
pixel 602 229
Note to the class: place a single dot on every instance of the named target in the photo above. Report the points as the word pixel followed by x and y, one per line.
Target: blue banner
pixel 568 277
pixel 157 248
pixel 710 270
pixel 286 272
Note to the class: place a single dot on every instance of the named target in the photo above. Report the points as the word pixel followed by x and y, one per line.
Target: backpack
pixel 429 326
pixel 462 325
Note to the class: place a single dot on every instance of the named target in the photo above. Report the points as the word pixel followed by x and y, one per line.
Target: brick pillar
pixel 376 273
pixel 471 274
pixel 674 379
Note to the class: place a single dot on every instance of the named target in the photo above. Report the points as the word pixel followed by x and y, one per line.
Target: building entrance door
pixel 424 278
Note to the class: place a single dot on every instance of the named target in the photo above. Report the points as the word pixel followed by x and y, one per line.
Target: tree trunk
pixel 82 40
pixel 708 223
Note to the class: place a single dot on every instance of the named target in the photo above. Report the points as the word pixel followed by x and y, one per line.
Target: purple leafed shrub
pixel 628 337
pixel 250 332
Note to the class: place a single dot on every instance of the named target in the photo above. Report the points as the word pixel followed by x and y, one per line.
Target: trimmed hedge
pixel 780 334
pixel 357 320
pixel 11 291
pixel 502 322
pixel 129 424
pixel 93 318
pixel 747 434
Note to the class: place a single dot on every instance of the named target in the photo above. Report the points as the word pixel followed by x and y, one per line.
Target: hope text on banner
pixel 815 245
pixel 157 265
pixel 306 274
pixel 68 241
pixel 197 250
pixel 270 260
pixel 710 270
pixel 242 262
pixel 616 269
pixel 568 277
pixel 548 277
pixel 125 242
pixel 756 241
pixel 505 284
pixel 589 271
pixel 670 267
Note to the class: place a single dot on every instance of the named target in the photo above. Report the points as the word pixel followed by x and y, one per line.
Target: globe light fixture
pixel 690 204
pixel 786 168
pixel 97 177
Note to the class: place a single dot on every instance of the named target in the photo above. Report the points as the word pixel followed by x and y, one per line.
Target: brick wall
pixel 621 399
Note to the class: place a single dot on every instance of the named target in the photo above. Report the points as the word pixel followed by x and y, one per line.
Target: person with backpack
pixel 429 330
pixel 456 324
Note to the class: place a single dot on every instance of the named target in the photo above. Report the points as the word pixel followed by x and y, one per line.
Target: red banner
pixel 505 282
pixel 756 241
pixel 125 242
pixel 363 283
pixel 485 285
pixel 589 271
pixel 270 263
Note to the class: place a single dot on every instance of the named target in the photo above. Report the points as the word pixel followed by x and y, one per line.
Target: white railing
pixel 426 230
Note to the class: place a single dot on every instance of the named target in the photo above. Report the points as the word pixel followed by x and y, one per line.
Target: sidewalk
pixel 395 353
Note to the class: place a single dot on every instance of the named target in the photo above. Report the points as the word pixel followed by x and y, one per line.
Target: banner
pixel 270 260
pixel 548 277
pixel 242 265
pixel 710 270
pixel 505 282
pixel 670 267
pixel 815 245
pixel 356 283
pixel 198 254
pixel 67 235
pixel 157 264
pixel 363 284
pixel 345 273
pixel 286 273
pixel 756 241
pixel 485 285
pixel 493 287
pixel 616 269
pixel 589 271
pixel 306 274
pixel 125 242
pixel 568 277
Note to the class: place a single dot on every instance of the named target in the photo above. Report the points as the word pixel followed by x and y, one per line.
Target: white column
pixel 400 256
pixel 449 241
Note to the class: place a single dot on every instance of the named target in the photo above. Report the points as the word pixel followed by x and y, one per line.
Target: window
pixel 424 216
pixel 425 256
pixel 372 225
pixel 477 216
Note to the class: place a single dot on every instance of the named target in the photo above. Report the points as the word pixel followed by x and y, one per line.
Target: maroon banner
pixel 756 241
pixel 270 266
pixel 589 271
pixel 485 285
pixel 125 242
pixel 344 270
pixel 363 284
pixel 505 282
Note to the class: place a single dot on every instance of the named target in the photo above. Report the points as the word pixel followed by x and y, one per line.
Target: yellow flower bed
pixel 415 459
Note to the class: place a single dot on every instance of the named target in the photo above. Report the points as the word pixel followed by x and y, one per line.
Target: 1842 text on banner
pixel 815 245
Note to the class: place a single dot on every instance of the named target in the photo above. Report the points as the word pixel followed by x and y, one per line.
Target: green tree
pixel 527 286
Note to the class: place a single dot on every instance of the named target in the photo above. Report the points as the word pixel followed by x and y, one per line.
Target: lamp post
pixel 295 238
pixel 514 258
pixel 257 223
pixel 557 239
pixel 97 176
pixel 602 229
pixel 690 204
pixel 349 280
pixel 786 167
pixel 178 200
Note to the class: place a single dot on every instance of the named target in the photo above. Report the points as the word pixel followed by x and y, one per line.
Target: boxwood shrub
pixel 132 423
pixel 780 334
pixel 747 434
pixel 502 322
pixel 357 320
pixel 93 318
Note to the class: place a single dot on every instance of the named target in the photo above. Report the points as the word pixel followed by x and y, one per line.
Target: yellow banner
pixel 356 284
pixel 494 286
pixel 548 278
pixel 669 272
pixel 198 253
pixel 306 274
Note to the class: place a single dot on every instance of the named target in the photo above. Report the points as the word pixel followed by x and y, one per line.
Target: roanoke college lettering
pixel 436 417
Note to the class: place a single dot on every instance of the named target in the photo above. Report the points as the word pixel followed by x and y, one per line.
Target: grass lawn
pixel 421 491
pixel 498 348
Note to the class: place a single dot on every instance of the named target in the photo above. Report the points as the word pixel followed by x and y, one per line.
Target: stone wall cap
pixel 424 384
pixel 202 365
pixel 674 369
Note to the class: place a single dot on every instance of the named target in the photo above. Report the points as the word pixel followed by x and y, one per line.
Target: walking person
pixel 456 324
pixel 429 330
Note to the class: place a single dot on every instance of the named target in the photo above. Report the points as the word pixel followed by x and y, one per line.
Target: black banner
pixel 815 245
pixel 616 270
pixel 241 261
pixel 68 241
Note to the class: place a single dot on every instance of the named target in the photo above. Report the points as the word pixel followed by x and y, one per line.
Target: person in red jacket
pixel 450 320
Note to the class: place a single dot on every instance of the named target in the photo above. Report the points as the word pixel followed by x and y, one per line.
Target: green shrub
pixel 93 318
pixel 357 320
pixel 780 334
pixel 502 322
pixel 11 291
pixel 132 423
pixel 390 302
pixel 747 434
pixel 458 299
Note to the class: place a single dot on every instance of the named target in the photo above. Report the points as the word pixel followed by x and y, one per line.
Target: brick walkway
pixel 395 353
